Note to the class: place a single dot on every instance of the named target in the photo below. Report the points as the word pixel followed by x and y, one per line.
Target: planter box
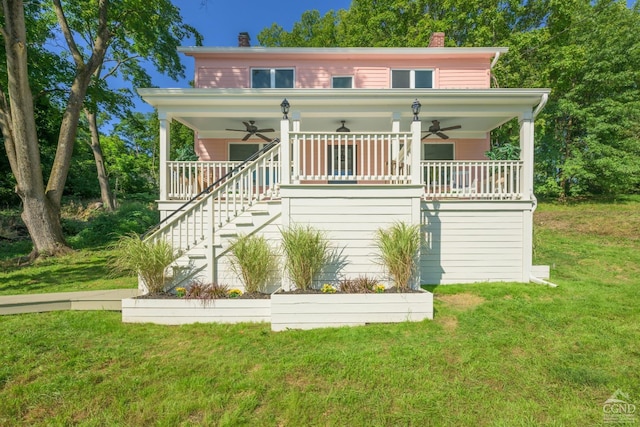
pixel 308 311
pixel 184 311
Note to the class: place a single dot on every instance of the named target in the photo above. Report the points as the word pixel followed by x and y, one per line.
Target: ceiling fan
pixel 252 129
pixel 436 129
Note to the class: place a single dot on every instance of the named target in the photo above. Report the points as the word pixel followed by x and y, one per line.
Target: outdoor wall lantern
pixel 284 107
pixel 415 107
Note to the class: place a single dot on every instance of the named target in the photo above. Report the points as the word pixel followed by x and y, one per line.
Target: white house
pixel 370 136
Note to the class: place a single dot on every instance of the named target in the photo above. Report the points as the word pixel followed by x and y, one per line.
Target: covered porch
pixel 385 143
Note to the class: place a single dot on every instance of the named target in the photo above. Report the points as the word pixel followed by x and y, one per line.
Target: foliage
pixel 205 291
pixel 307 252
pixel 359 285
pixel 399 247
pixel 234 293
pixel 587 137
pixel 148 259
pixel 253 261
pixel 328 288
pixel 105 227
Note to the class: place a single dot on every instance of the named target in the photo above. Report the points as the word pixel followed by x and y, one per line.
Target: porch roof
pixel 210 111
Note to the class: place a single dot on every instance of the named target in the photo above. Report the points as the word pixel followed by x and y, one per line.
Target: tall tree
pixel 587 52
pixel 135 22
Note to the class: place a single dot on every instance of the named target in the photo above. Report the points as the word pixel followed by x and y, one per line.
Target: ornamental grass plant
pixel 399 248
pixel 254 261
pixel 307 252
pixel 148 259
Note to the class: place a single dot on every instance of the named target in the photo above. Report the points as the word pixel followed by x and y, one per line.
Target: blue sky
pixel 220 22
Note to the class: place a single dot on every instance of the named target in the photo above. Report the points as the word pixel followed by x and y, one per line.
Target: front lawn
pixel 495 354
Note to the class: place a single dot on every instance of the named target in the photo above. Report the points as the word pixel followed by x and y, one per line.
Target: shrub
pixel 147 259
pixel 307 252
pixel 398 246
pixel 108 226
pixel 359 285
pixel 199 290
pixel 253 261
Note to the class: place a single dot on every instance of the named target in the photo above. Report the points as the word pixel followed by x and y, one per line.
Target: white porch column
pixel 526 156
pixel 285 153
pixel 295 149
pixel 416 131
pixel 165 149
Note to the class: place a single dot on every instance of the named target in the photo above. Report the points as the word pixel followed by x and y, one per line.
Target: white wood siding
pixel 350 217
pixel 466 242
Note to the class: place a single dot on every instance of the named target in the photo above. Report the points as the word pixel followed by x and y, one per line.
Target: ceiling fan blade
pixel 442 135
pixel 425 137
pixel 246 124
pixel 247 136
pixel 266 138
pixel 237 130
pixel 452 127
pixel 265 130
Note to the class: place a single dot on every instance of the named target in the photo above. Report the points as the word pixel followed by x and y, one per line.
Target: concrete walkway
pixel 87 300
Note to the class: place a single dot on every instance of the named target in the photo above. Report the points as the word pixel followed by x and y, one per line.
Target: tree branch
pixel 66 31
pixel 119 63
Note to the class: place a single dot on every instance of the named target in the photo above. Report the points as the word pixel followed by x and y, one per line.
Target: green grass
pixel 82 270
pixel 496 354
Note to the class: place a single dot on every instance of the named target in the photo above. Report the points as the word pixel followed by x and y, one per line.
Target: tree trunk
pixel 40 213
pixel 105 192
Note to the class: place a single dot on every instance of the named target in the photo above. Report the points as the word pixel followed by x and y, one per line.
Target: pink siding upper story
pixel 467 72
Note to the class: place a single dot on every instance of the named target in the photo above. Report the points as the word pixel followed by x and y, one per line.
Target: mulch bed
pixel 318 291
pixel 166 295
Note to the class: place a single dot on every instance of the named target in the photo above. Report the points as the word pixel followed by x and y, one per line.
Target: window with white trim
pixel 438 151
pixel 268 78
pixel 239 152
pixel 412 79
pixel 342 82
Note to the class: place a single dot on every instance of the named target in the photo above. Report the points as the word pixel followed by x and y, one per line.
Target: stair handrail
pixel 211 187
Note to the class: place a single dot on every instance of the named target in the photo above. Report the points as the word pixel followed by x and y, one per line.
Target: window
pixel 342 82
pixel 241 152
pixel 412 79
pixel 438 152
pixel 262 78
pixel 341 160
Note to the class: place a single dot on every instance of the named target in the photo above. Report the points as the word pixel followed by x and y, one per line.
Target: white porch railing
pixel 473 179
pixel 187 179
pixel 362 157
pixel 197 221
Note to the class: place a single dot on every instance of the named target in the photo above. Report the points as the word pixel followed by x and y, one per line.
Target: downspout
pixel 495 60
pixel 537 280
pixel 543 102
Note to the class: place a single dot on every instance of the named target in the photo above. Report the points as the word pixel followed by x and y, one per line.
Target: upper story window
pixel 271 78
pixel 412 79
pixel 342 82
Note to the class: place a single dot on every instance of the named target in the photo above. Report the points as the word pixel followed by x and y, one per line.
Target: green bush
pixel 253 261
pixel 399 247
pixel 307 252
pixel 106 227
pixel 148 259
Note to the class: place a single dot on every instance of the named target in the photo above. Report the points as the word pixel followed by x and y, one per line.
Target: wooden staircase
pixel 242 202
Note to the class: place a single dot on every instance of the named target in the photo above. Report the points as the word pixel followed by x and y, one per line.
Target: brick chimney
pixel 244 39
pixel 437 40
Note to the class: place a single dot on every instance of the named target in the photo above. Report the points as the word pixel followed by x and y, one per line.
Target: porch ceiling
pixel 211 111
